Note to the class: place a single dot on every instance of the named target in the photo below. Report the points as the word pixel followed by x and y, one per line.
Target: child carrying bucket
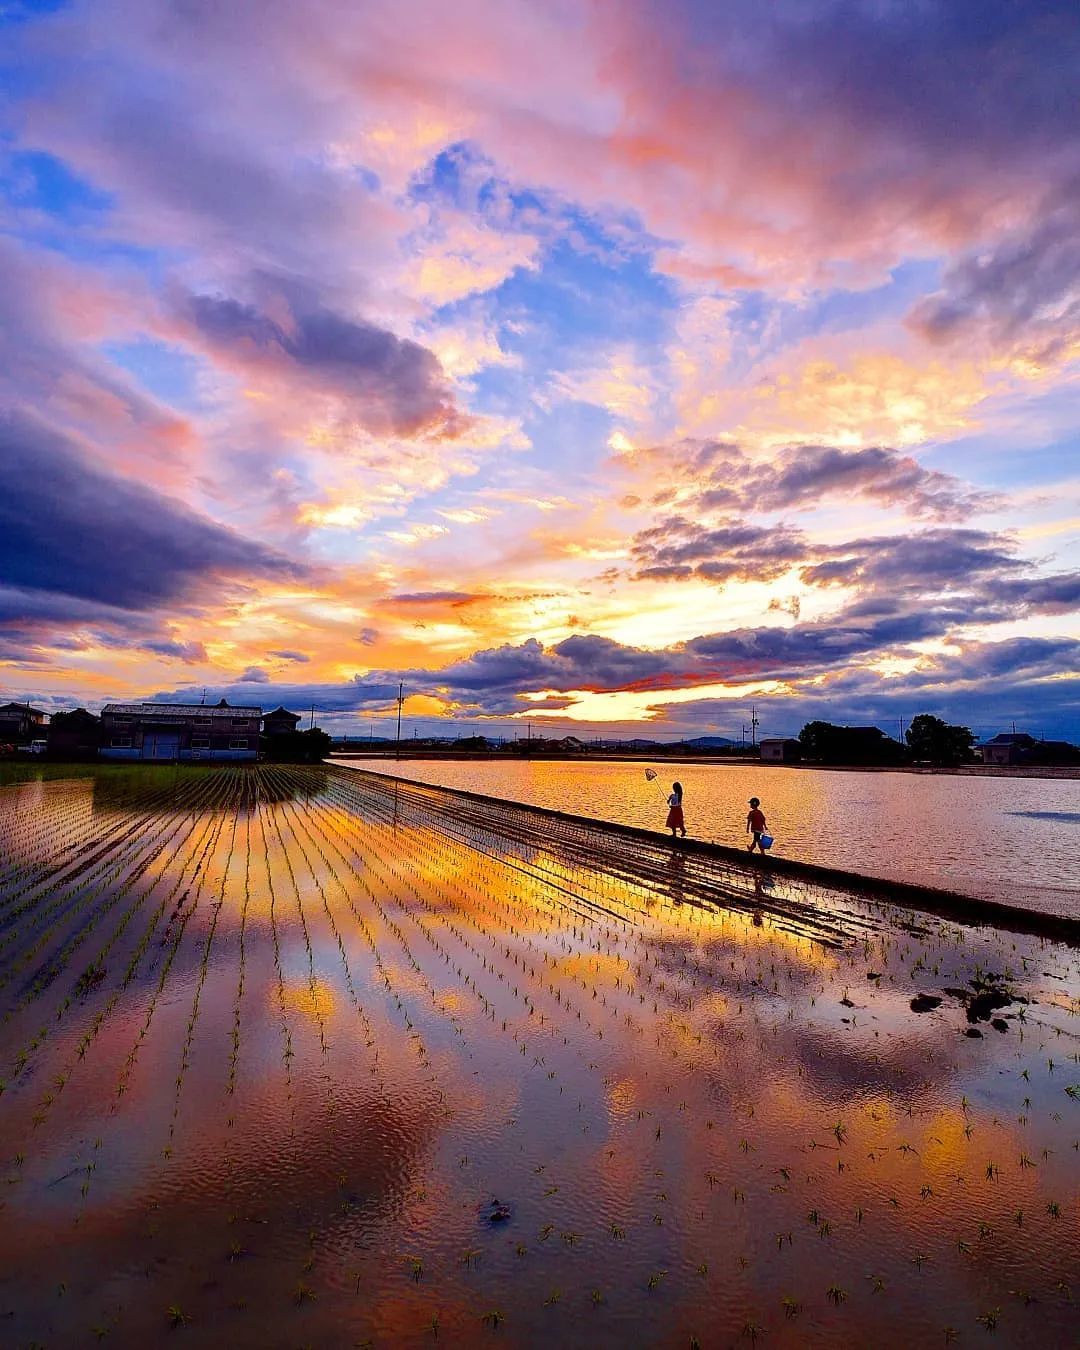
pixel 755 824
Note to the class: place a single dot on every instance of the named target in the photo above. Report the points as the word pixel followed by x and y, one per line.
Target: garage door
pixel 161 745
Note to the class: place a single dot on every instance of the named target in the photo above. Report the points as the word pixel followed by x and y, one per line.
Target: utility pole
pixel 753 725
pixel 400 701
pixel 311 723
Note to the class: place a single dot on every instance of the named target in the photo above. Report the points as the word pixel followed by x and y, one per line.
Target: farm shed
pixel 180 731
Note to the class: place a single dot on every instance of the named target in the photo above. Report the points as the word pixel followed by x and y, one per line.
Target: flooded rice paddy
pixel 1014 840
pixel 304 1057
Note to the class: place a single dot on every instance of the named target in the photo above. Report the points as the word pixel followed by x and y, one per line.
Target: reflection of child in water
pixel 676 876
pixel 755 824
pixel 675 822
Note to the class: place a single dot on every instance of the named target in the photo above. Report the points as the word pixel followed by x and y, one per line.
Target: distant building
pixel 1016 747
pixel 19 722
pixel 1007 748
pixel 179 731
pixel 74 735
pixel 780 750
pixel 279 722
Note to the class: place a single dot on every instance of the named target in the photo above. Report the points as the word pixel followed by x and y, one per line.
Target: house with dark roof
pixel 1010 747
pixel 74 735
pixel 279 722
pixel 1017 747
pixel 19 722
pixel 180 731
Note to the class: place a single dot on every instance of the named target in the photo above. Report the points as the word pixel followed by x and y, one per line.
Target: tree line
pixel 928 740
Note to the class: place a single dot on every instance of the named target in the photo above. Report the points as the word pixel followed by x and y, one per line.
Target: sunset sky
pixel 599 365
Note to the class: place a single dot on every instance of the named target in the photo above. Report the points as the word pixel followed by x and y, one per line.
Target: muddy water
pixel 1014 840
pixel 297 1057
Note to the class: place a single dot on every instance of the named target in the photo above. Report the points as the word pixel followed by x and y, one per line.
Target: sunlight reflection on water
pixel 1005 839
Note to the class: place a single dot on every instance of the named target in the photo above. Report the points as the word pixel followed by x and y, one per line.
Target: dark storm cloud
pixel 522 667
pixel 804 475
pixel 1043 595
pixel 926 561
pixel 731 549
pixel 394 385
pixel 25 607
pixel 724 478
pixel 898 68
pixel 71 529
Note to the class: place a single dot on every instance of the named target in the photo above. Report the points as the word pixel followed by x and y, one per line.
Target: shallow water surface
pixel 306 1057
pixel 1015 840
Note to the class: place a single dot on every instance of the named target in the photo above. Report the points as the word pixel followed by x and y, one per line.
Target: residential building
pixel 180 731
pixel 1016 747
pixel 19 722
pixel 1010 747
pixel 280 722
pixel 74 735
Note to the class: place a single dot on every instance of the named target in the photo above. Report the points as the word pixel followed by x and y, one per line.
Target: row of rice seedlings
pixel 102 862
pixel 41 921
pixel 204 965
pixel 37 829
pixel 181 879
pixel 27 896
pixel 171 940
pixel 640 866
pixel 43 823
pixel 99 902
pixel 316 1006
pixel 94 974
pixel 594 918
pixel 300 825
pixel 540 955
pixel 286 1031
pixel 238 1001
pixel 305 843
